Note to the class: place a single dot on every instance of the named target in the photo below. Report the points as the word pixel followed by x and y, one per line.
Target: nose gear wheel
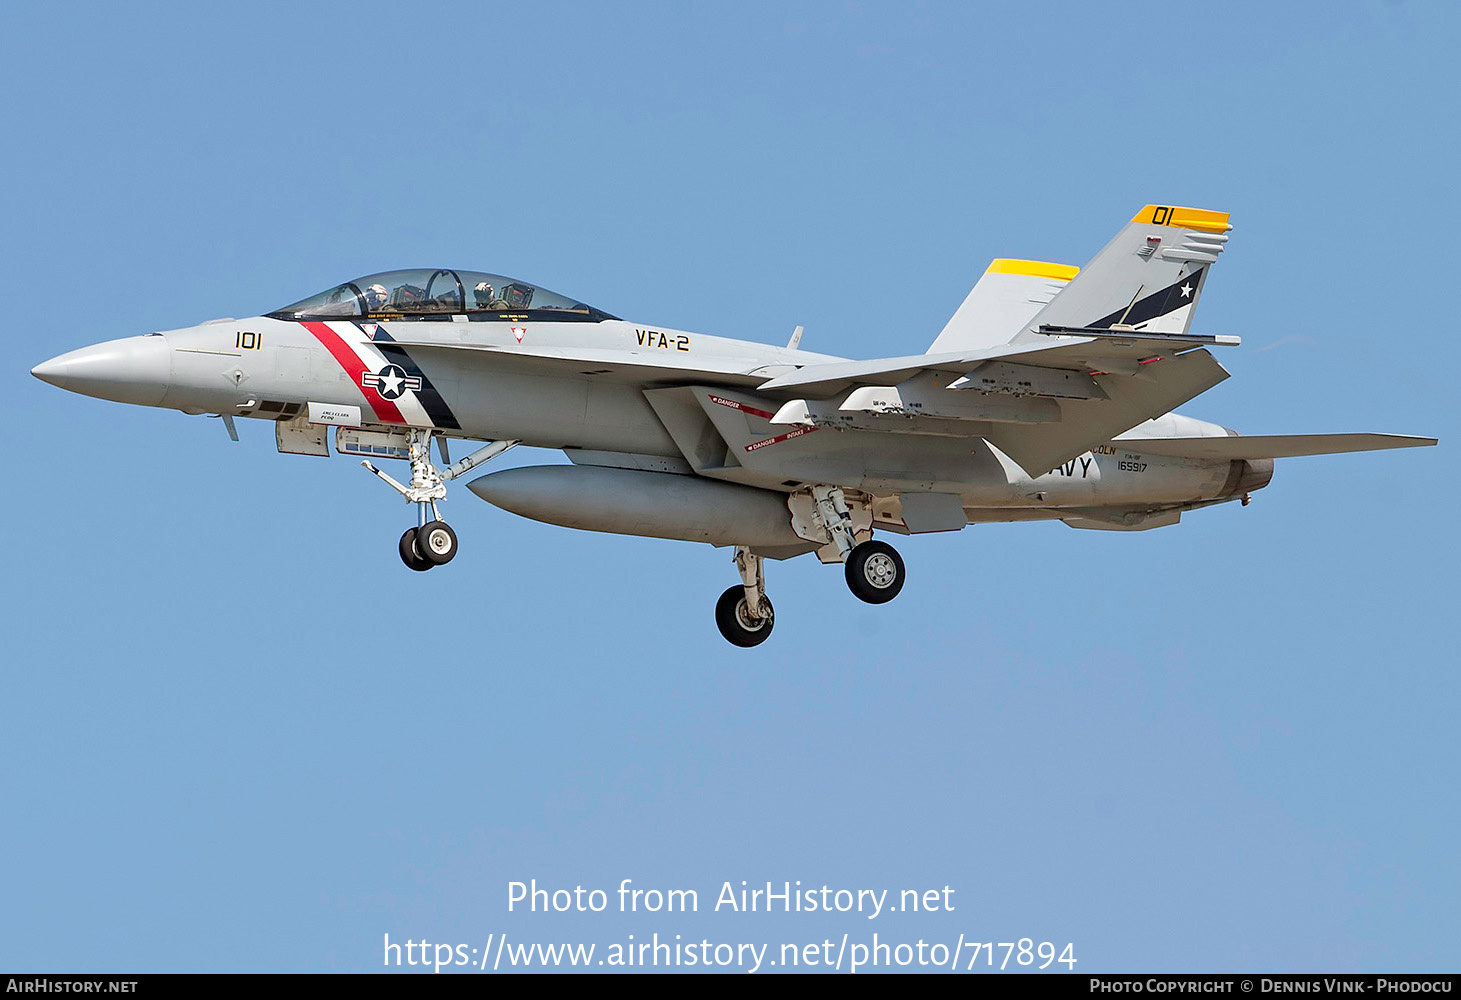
pixel 409 555
pixel 432 542
pixel 436 542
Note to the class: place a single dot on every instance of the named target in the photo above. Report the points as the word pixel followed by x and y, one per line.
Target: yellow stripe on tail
pixel 1185 218
pixel 1032 268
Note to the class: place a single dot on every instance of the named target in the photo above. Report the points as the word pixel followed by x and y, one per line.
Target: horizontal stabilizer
pixel 1037 448
pixel 1270 445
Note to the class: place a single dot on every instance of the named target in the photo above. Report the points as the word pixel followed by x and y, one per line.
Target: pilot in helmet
pixel 486 295
pixel 375 298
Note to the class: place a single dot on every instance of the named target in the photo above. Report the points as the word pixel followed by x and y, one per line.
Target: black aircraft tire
pixel 408 552
pixel 436 542
pixel 875 572
pixel 729 618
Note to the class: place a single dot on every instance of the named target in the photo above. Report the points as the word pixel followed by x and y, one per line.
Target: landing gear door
pixel 297 436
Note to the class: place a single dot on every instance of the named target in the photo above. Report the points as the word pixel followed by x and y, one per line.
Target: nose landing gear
pixel 432 542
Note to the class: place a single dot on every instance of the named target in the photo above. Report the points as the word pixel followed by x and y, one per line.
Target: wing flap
pixel 1177 341
pixel 1271 445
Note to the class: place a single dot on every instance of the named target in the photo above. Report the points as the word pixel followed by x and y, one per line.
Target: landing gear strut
pixel 431 542
pixel 841 524
pixel 744 614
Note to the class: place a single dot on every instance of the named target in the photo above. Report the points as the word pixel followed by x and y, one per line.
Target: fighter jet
pixel 1047 396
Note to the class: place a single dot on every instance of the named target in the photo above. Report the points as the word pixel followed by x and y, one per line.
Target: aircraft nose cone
pixel 52 371
pixel 131 370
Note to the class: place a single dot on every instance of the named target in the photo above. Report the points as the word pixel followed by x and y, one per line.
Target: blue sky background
pixel 238 735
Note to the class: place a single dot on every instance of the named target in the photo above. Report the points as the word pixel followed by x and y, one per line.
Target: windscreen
pixel 426 293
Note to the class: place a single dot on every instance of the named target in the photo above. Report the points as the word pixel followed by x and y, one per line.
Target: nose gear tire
pixel 738 627
pixel 436 542
pixel 409 556
pixel 875 572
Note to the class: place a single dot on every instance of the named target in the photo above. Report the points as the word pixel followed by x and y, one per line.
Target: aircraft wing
pixel 1126 377
pixel 1270 445
pixel 1068 349
pixel 1126 384
pixel 839 376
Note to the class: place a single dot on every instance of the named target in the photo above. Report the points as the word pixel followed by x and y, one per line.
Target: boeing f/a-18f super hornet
pixel 1048 396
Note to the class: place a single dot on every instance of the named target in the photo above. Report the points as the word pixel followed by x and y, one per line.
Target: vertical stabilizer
pixel 1148 278
pixel 1004 301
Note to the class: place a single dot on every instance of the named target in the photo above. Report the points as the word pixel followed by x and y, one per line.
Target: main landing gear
pixel 873 569
pixel 432 542
pixel 744 614
pixel 874 572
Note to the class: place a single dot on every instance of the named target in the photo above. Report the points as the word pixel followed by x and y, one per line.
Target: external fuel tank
pixel 634 502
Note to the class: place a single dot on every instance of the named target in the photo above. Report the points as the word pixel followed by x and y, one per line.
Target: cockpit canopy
pixel 439 294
